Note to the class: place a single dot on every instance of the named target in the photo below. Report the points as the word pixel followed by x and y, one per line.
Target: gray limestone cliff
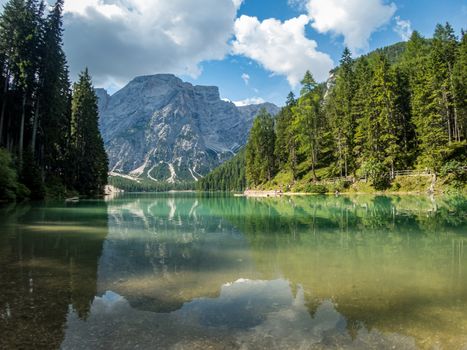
pixel 161 128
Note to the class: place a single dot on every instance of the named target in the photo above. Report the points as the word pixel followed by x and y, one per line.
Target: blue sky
pixel 254 50
pixel 227 73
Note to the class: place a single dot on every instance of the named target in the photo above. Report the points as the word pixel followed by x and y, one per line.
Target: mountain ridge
pixel 161 128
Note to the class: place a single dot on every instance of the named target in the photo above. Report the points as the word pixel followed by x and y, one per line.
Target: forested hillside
pixel 398 108
pixel 229 177
pixel 49 137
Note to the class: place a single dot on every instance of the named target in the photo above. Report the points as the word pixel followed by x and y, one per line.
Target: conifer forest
pixel 49 137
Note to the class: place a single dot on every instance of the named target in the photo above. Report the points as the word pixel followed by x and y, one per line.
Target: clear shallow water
pixel 188 271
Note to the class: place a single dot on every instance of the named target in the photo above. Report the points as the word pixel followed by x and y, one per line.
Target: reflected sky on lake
pixel 191 271
pixel 247 314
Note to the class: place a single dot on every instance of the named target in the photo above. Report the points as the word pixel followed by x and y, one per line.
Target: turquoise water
pixel 191 271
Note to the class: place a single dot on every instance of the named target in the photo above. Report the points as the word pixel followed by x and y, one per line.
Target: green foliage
pixel 380 124
pixel 229 177
pixel 31 177
pixel 316 189
pixel 341 119
pixel 149 185
pixel 456 170
pixel 308 83
pixel 309 126
pixel 10 188
pixel 260 160
pixel 398 108
pixel 90 163
pixel 35 98
pixel 377 172
pixel 460 86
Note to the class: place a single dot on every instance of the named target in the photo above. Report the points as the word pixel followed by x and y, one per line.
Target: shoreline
pixel 276 194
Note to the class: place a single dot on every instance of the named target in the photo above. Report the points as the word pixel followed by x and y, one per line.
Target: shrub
pixel 318 189
pixel 455 171
pixel 8 177
pixel 340 186
pixel 396 186
pixel 377 173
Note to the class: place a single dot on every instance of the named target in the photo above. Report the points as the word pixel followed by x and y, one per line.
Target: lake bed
pixel 199 271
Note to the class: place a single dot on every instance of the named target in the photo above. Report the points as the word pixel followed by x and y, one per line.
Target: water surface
pixel 191 271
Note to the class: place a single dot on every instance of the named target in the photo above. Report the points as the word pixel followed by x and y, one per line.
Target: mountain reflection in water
pixel 247 314
pixel 192 271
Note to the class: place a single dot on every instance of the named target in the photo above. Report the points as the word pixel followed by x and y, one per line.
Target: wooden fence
pixel 396 173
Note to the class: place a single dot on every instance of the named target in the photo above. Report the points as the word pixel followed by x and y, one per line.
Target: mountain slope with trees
pixel 398 108
pixel 37 122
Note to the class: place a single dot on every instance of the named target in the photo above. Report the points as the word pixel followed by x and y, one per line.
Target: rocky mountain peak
pixel 160 128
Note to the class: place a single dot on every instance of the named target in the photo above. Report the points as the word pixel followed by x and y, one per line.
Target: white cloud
pixel 237 3
pixel 119 39
pixel 83 6
pixel 246 78
pixel 356 20
pixel 249 101
pixel 281 47
pixel 403 28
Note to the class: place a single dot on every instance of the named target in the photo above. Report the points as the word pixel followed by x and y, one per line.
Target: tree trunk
pixel 457 135
pixel 34 128
pixel 448 116
pixel 313 158
pixel 2 115
pixel 9 140
pixel 346 166
pixel 294 163
pixel 21 131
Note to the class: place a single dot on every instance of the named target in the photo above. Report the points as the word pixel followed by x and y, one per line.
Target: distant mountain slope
pixel 161 128
pixel 228 177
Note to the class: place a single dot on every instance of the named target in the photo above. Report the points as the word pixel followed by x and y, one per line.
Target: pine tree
pixel 377 134
pixel 308 83
pixel 430 126
pixel 443 56
pixel 283 133
pixel 341 116
pixel 54 104
pixel 90 165
pixel 360 105
pixel 308 122
pixel 260 160
pixel 460 87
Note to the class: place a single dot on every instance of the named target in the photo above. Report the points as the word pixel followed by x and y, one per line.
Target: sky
pixel 254 50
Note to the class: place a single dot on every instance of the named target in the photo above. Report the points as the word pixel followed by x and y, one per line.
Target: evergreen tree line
pixel 228 177
pixel 146 185
pixel 48 131
pixel 394 109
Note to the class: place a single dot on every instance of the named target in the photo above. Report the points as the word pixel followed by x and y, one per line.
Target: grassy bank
pixel 413 184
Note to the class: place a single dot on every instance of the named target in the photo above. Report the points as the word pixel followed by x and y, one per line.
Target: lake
pixel 198 271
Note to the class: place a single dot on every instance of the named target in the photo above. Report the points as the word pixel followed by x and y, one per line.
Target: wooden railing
pixel 410 172
pixel 413 173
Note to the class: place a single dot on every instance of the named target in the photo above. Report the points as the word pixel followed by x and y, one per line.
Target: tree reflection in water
pixel 196 271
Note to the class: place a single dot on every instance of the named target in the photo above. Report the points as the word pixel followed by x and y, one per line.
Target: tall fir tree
pixel 460 87
pixel 308 122
pixel 90 164
pixel 260 160
pixel 284 149
pixel 340 113
pixel 35 96
pixel 55 100
pixel 443 56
